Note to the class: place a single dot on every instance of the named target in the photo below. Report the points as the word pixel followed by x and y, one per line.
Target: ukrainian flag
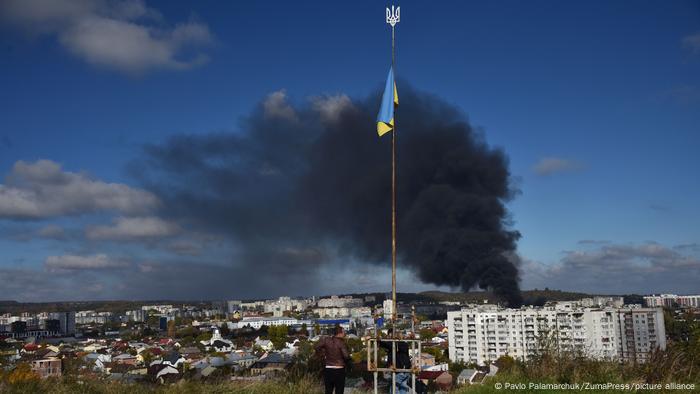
pixel 390 99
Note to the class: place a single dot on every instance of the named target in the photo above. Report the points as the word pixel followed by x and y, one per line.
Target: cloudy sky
pixel 596 105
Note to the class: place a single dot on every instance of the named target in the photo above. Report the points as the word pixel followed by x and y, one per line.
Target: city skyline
pixel 594 107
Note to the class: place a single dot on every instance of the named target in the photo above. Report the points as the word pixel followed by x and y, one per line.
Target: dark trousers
pixel 334 378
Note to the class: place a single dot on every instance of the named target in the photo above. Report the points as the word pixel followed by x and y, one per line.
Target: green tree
pixel 278 336
pixel 427 334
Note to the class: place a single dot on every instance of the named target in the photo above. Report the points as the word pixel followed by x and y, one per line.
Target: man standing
pixel 336 358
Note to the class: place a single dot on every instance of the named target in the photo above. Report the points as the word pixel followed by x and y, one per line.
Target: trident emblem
pixel 393 16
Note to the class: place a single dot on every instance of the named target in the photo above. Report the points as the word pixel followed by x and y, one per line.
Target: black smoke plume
pixel 297 185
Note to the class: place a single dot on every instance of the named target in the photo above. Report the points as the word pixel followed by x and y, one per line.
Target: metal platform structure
pixel 374 364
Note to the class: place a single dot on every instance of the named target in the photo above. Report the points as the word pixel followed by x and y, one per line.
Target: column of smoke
pixel 294 181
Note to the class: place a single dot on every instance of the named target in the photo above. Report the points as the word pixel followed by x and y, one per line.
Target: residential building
pixel 388 307
pixel 163 309
pixel 47 367
pixel 482 334
pixel 641 331
pixel 340 302
pixel 257 322
pixel 355 312
pixel 138 315
pixel 672 300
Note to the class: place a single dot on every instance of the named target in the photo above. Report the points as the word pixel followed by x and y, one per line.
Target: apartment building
pixel 671 300
pixel 641 331
pixel 482 334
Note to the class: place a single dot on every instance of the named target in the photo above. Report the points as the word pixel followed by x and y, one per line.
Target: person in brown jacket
pixel 336 358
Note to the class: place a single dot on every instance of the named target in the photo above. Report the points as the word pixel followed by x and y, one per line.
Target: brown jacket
pixel 334 351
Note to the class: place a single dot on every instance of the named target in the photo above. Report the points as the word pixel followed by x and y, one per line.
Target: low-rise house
pixel 470 376
pixel 217 343
pixel 173 359
pixel 47 367
pixel 190 352
pixel 241 360
pixel 442 379
pixel 166 373
pixel 124 358
pixel 99 361
pixel 264 344
pixel 271 364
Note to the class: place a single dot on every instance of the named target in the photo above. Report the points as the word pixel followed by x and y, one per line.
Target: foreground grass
pixel 507 382
pixel 56 386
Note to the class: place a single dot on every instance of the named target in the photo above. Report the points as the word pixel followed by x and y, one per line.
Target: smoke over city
pixel 301 186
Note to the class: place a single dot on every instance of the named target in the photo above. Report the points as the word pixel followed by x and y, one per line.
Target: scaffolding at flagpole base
pixel 373 361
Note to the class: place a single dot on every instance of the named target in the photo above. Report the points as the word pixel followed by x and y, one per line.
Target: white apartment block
pixel 362 311
pixel 482 334
pixel 598 301
pixel 388 308
pixel 340 302
pixel 668 300
pixel 257 322
pixel 137 315
pixel 92 317
pixel 641 331
pixel 284 304
pixel 162 309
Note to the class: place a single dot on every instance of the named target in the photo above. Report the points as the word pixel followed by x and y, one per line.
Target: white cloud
pixel 276 106
pixel 616 269
pixel 137 228
pixel 552 165
pixel 117 35
pixel 73 262
pixel 330 107
pixel 42 189
pixel 692 42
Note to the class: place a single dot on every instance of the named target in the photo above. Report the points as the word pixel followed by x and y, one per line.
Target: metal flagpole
pixel 392 18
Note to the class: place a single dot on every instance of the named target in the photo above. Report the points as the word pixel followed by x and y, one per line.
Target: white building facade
pixel 340 302
pixel 482 334
pixel 671 300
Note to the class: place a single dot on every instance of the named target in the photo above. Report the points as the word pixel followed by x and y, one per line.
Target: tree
pixel 427 334
pixel 205 336
pixel 278 336
pixel 436 352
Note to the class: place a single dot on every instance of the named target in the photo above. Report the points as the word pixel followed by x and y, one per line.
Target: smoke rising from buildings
pixel 299 186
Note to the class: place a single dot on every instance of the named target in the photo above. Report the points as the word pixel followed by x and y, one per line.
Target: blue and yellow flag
pixel 390 99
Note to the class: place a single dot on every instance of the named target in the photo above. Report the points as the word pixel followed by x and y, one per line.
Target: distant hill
pixel 530 297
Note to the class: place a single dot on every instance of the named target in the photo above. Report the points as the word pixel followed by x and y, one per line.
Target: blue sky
pixel 596 103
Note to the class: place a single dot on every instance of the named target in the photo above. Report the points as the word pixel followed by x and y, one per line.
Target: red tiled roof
pixel 430 375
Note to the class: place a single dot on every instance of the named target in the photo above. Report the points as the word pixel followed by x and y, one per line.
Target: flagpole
pixel 392 19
